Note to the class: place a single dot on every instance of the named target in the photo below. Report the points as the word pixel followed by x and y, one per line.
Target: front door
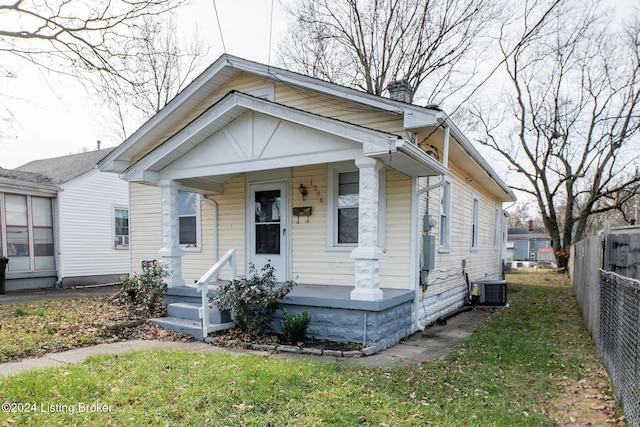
pixel 268 234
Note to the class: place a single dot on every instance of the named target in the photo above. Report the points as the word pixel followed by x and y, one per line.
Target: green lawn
pixel 506 374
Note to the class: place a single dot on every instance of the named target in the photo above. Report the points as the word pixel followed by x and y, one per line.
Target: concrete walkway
pixel 433 343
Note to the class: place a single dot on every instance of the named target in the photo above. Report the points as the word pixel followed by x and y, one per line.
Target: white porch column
pixel 367 255
pixel 171 252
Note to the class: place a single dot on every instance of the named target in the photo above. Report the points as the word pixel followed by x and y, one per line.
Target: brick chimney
pixel 530 225
pixel 400 90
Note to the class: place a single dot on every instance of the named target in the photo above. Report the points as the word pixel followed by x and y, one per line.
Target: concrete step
pixel 184 310
pixel 182 326
pixel 191 311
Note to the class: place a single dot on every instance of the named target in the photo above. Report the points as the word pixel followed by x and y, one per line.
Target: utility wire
pixel 270 34
pixel 224 48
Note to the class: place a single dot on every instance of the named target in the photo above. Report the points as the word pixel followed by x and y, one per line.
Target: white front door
pixel 267 211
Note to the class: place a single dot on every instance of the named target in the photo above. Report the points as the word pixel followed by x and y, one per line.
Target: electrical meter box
pixel 428 252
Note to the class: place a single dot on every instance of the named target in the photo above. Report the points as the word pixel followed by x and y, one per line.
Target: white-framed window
pixel 445 218
pixel 475 222
pixel 496 229
pixel 189 219
pixel 28 232
pixel 121 228
pixel 343 186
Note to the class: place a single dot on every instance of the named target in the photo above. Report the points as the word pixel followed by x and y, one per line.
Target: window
pixel 17 232
pixel 42 233
pixel 188 214
pixel 475 222
pixel 343 198
pixel 348 198
pixel 28 231
pixel 445 217
pixel 121 228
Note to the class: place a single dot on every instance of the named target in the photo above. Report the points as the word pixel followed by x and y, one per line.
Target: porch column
pixel 171 251
pixel 367 255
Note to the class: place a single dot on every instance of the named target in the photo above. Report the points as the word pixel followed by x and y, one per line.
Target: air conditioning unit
pixel 489 292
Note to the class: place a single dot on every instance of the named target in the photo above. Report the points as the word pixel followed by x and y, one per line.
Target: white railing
pixel 202 285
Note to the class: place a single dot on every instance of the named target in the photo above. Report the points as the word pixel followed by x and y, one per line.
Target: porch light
pixel 303 190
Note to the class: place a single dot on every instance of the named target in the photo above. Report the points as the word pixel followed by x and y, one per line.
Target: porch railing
pixel 202 285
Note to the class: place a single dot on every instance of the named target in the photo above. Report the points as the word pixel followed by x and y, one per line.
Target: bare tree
pixel 73 36
pixel 368 44
pixel 570 126
pixel 160 65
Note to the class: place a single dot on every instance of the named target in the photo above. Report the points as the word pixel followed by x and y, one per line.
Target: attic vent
pixel 400 90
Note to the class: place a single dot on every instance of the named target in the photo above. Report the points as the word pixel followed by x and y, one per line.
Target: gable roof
pixel 227 67
pixel 63 169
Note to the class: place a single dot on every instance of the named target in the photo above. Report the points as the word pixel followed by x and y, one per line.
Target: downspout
pixel 418 194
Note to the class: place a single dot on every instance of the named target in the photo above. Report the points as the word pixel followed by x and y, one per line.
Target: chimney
pixel 400 90
pixel 530 225
pixel 98 144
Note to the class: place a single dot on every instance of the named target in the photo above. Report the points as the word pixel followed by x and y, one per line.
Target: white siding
pixel 86 225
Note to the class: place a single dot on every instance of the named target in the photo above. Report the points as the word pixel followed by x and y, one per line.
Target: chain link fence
pixel 619 339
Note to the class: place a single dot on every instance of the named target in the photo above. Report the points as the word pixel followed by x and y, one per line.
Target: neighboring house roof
pixel 15 180
pixel 63 169
pixel 227 67
pixel 526 234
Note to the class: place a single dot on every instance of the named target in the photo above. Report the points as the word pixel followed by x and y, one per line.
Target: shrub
pixel 294 326
pixel 252 301
pixel 146 288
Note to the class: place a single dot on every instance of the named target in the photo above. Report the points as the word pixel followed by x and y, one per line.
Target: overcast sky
pixel 54 117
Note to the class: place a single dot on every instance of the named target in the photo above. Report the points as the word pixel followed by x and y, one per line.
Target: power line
pixel 270 34
pixel 224 48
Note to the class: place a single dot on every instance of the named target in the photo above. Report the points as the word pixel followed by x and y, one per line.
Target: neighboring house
pixel 28 206
pixel 529 244
pixel 91 221
pixel 330 185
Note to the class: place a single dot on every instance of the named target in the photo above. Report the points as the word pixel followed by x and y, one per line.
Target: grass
pixel 503 375
pixel 35 328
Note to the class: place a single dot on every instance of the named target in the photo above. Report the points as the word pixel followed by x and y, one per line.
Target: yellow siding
pixel 311 263
pixel 480 263
pixel 145 224
pixel 394 267
pixel 231 222
pixel 146 233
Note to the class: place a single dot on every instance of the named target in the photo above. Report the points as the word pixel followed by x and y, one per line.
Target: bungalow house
pixel 64 223
pixel 378 209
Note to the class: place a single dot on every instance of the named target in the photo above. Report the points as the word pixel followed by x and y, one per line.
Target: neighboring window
pixel 445 217
pixel 496 229
pixel 42 233
pixel 17 232
pixel 188 213
pixel 121 228
pixel 348 199
pixel 475 221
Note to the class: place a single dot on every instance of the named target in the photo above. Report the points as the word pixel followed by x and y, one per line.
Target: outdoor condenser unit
pixel 489 292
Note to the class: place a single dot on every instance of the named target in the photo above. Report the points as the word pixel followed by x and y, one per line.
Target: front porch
pixel 334 315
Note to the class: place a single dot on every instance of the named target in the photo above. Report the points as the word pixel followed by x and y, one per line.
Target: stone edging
pixel 367 351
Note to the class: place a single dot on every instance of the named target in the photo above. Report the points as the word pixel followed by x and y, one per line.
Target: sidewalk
pixel 433 343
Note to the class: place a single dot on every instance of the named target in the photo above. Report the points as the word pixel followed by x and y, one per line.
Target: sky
pixel 53 116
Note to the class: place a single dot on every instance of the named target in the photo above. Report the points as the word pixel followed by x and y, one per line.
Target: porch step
pixel 191 311
pixel 182 326
pixel 184 294
pixel 190 327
